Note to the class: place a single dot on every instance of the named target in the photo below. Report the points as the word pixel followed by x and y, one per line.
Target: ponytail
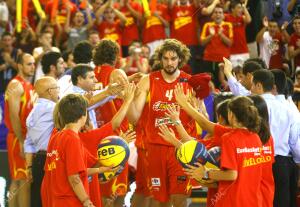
pixel 246 113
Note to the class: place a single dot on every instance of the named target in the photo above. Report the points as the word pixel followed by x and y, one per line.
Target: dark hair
pixel 219 98
pixel 259 61
pixel 280 80
pixel 222 110
pixel 264 132
pixel 91 32
pixel 233 4
pixel 48 59
pixel 71 108
pixel 289 91
pixel 45 32
pixel 106 52
pixel 266 78
pixel 66 54
pixel 80 70
pixel 250 67
pixel 83 52
pixel 245 112
pixel 297 72
pixel 174 45
pixel 6 34
pixel 296 17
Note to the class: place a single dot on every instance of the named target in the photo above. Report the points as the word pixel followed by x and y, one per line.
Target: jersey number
pixel 169 94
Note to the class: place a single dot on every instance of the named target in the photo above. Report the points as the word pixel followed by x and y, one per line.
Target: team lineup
pixel 165 115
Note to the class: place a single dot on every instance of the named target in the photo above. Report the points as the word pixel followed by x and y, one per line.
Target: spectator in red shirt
pixel 294 43
pixel 133 13
pixel 239 18
pixel 134 63
pixel 217 37
pixel 271 42
pixel 154 27
pixel 109 27
pixel 184 21
pixel 60 17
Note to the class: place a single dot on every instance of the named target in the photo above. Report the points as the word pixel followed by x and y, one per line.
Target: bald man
pixel 39 128
pixel 18 104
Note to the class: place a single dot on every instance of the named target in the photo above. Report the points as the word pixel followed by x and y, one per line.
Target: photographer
pixel 135 63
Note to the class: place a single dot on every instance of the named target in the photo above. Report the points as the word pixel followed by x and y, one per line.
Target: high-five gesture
pixel 181 98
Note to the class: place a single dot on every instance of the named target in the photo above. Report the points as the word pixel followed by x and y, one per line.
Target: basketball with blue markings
pixel 213 158
pixel 191 152
pixel 212 162
pixel 112 151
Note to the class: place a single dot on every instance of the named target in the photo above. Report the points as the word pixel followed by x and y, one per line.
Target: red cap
pixel 200 84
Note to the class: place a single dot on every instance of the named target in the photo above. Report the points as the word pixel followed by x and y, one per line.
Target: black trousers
pixel 213 69
pixel 285 174
pixel 38 163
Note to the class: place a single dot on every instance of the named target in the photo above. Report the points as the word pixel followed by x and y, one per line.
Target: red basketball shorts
pixel 166 174
pixel 141 177
pixel 17 164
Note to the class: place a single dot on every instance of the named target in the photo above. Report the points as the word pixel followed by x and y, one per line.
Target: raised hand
pixel 173 113
pixel 129 92
pixel 265 22
pixel 167 134
pixel 227 67
pixel 212 31
pixel 181 98
pixel 135 77
pixel 128 136
pixel 115 89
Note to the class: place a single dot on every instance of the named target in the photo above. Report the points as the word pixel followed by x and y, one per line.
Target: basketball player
pixel 19 100
pixel 169 184
pixel 105 58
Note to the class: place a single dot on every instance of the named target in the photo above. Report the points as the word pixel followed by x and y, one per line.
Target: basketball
pixel 213 158
pixel 191 152
pixel 106 176
pixel 112 151
pixel 212 162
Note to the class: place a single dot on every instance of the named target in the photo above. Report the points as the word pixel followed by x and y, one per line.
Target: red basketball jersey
pixel 140 140
pixel 26 105
pixel 161 97
pixel 108 110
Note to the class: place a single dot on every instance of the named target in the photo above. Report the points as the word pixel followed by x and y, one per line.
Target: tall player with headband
pixel 168 182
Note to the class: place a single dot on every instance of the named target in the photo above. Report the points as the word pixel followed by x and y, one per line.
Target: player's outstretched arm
pixel 173 114
pixel 121 114
pixel 128 136
pixel 182 100
pixel 79 190
pixel 169 136
pixel 111 90
pixel 138 103
pixel 213 174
